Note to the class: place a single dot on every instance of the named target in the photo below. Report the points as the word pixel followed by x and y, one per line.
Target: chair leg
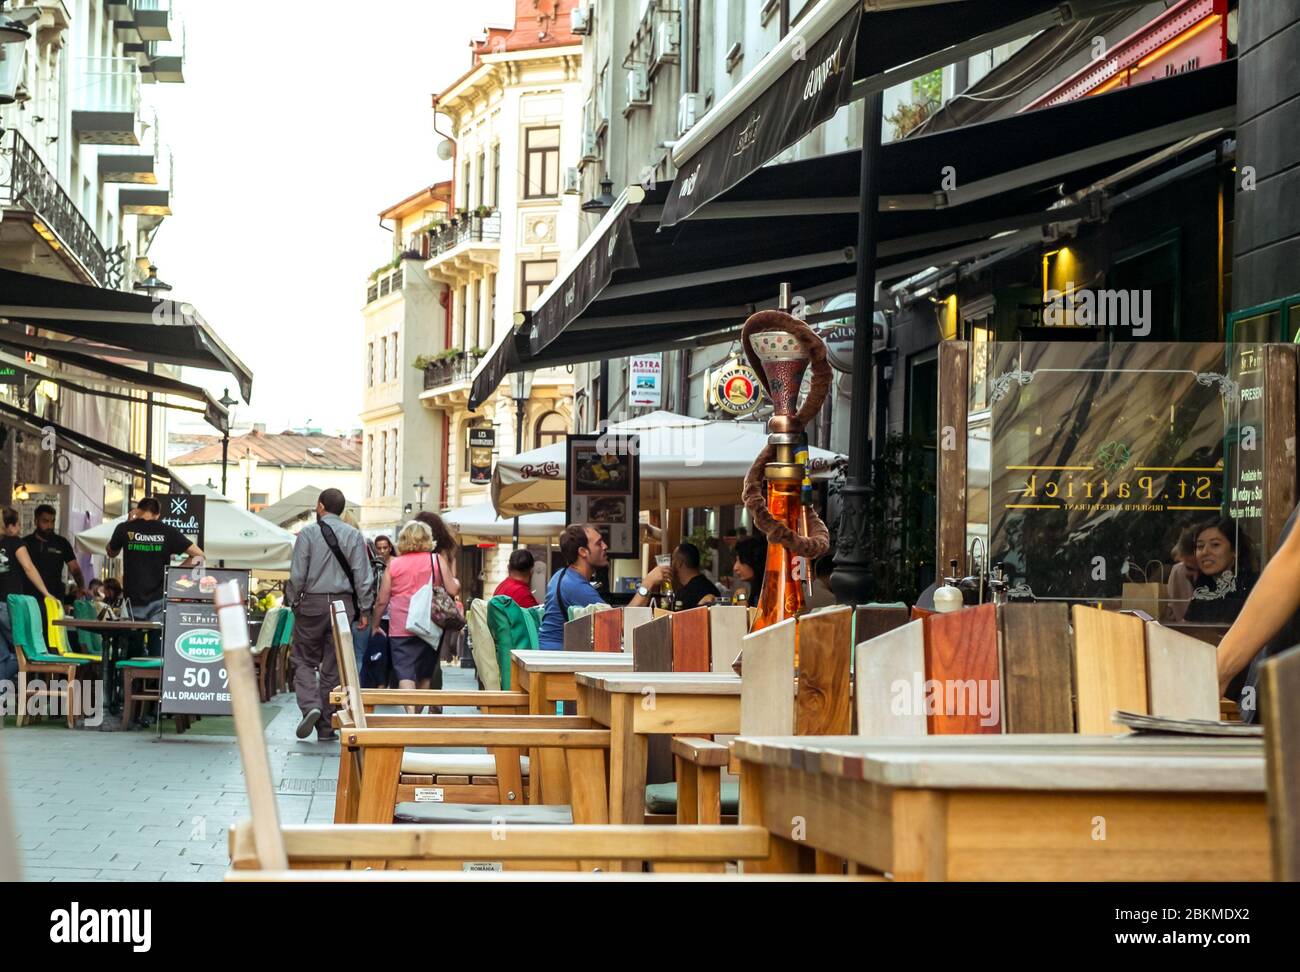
pixel 22 698
pixel 70 702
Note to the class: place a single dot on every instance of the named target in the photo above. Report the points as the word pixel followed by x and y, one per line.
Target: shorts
pixel 414 659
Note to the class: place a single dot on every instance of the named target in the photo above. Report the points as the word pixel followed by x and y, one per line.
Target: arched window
pixel 551 427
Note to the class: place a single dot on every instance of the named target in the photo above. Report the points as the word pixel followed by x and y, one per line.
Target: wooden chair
pixel 776 699
pixel 1279 690
pixel 36 663
pixel 374 755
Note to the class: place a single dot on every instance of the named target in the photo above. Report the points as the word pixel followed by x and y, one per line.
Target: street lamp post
pixel 152 286
pixel 521 389
pixel 226 401
pixel 420 486
pixel 851 581
pixel 248 466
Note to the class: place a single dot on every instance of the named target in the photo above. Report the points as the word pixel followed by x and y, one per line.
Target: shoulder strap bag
pixel 332 542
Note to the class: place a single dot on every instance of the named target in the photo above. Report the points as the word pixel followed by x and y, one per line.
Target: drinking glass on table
pixel 665 561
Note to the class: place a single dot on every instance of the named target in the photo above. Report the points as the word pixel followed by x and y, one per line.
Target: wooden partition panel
pixel 691 640
pixel 825 650
pixel 578 633
pixel 1110 666
pixel 961 667
pixel 633 618
pixel 652 651
pixel 607 630
pixel 728 625
pixel 1182 675
pixel 890 672
pixel 870 620
pixel 1037 679
pixel 1279 689
pixel 767 687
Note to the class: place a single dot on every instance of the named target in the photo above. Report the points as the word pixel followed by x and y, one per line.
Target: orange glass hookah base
pixel 782 594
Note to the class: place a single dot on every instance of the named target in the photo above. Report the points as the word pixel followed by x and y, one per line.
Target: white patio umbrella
pixel 233 535
pixel 685 462
pixel 479 523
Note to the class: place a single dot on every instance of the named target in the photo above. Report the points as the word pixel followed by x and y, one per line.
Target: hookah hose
pixel 817 540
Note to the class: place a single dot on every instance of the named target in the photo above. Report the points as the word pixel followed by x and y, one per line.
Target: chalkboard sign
pixel 194 669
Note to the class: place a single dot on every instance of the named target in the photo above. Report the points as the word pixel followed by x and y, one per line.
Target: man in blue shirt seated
pixel 583 549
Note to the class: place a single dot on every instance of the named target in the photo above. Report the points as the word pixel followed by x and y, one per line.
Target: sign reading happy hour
pixel 1104 453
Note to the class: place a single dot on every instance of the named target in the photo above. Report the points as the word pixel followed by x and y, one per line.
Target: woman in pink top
pixel 415 661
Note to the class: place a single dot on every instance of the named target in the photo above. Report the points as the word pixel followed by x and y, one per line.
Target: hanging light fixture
pixel 13 38
pixel 11 30
pixel 151 285
pixel 602 202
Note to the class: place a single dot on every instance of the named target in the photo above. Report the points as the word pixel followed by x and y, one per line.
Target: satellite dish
pixel 444 149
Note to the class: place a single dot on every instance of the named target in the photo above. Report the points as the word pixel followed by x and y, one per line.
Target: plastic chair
pixel 57 639
pixel 35 658
pixel 84 609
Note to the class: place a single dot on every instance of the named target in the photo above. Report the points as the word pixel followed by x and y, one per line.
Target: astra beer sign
pixel 1100 455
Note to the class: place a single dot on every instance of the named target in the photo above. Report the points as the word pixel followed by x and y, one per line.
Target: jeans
pixel 360 642
pixel 150 611
pixel 8 659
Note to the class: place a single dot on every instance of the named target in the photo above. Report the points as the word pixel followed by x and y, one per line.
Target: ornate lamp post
pixel 521 389
pixel 420 486
pixel 226 402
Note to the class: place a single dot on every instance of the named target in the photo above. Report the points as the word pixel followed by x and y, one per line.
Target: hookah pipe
pixel 780 364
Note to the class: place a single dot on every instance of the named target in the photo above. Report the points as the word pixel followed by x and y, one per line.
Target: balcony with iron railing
pixel 106 106
pixel 391 281
pixel 453 368
pixel 29 188
pixel 463 233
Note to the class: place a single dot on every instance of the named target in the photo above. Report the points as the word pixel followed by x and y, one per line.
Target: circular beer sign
pixel 736 389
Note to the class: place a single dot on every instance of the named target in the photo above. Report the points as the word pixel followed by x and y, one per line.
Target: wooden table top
pixel 572 661
pixel 668 683
pixel 1022 762
pixel 85 624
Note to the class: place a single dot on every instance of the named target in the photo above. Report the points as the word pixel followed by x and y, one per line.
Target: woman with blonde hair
pixel 415 661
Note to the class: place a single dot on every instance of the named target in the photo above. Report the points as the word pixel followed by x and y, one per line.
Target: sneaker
pixel 309 720
pixel 327 735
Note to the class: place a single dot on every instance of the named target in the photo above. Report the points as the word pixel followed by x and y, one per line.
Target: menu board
pixel 602 486
pixel 194 671
pixel 198 583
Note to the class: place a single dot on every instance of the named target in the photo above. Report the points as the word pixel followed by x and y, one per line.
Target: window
pixel 496 176
pixel 393 343
pixel 534 276
pixel 370 365
pixel 370 464
pixel 482 174
pixel 396 491
pixel 383 466
pixel 541 162
pixel 464 318
pixel 257 501
pixel 383 359
pixel 464 192
pixel 492 308
pixel 551 428
pixel 471 317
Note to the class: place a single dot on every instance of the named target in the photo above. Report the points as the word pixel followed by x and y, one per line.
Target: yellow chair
pixel 57 637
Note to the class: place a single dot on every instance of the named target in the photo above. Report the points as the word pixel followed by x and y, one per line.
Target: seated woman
pixel 1227 574
pixel 751 561
pixel 1184 576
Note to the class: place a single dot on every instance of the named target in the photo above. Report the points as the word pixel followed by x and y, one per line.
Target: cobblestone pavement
pixel 131 806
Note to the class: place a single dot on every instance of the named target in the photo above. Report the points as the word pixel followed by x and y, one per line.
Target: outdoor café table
pixel 117 636
pixel 636 705
pixel 547 677
pixel 1011 808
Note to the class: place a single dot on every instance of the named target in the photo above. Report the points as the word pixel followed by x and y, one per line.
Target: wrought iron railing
pixel 26 183
pixel 448 371
pixel 471 229
pixel 385 284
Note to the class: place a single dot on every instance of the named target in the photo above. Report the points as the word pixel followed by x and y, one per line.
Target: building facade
pixel 512 122
pixel 404 326
pixel 85 183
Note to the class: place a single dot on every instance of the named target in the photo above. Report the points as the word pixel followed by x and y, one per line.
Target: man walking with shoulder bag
pixel 330 563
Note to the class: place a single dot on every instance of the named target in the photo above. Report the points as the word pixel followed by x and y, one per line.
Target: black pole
pixel 851 581
pixel 225 451
pixel 148 440
pixel 520 404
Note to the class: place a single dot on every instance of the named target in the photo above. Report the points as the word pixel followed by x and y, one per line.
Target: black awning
pixel 126 325
pixel 80 444
pixel 797 222
pixel 837 53
pixel 78 356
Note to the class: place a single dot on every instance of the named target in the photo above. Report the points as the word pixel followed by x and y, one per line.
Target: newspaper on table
pixel 1185 727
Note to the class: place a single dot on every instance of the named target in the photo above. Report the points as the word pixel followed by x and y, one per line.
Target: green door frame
pixel 1286 332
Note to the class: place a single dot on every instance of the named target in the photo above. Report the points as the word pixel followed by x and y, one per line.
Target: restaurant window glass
pixel 1143 289
pixel 482 176
pixel 496 176
pixel 370 364
pixel 551 428
pixel 534 277
pixel 383 359
pixel 541 162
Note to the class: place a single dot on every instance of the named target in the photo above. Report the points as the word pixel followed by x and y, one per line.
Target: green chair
pixel 35 658
pixel 57 639
pixel 84 609
pixel 280 662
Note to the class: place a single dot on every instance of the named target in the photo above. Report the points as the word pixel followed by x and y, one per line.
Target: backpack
pixel 377 664
pixel 514 628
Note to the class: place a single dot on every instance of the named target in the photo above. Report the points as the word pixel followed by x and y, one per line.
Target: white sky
pixel 295 126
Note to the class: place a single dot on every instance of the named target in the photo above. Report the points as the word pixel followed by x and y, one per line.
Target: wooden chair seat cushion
pixel 453 764
pixel 662 798
pixel 482 813
pixel 154 663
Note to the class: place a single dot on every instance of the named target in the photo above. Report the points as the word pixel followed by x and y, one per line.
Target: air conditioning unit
pixel 668 42
pixel 590 151
pixel 638 87
pixel 580 21
pixel 687 112
pixel 572 181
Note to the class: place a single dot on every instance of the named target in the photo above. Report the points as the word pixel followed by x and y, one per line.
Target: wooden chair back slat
pixel 1279 690
pixel 347 661
pixel 652 645
pixel 823 702
pixel 961 653
pixel 607 630
pixel 245 702
pixel 633 618
pixel 1110 667
pixel 728 625
pixel 1037 668
pixel 1182 675
pixel 767 686
pixel 691 640
pixel 579 633
pixel 886 664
